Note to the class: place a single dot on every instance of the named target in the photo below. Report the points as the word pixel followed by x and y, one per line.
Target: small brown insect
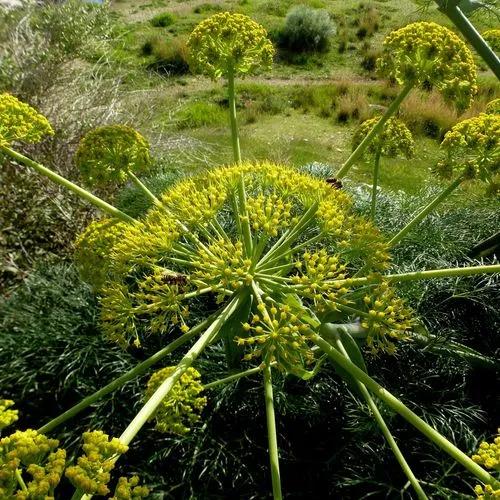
pixel 170 278
pixel 334 183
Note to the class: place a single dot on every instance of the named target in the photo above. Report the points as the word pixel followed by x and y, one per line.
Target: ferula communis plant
pixel 394 140
pixel 424 55
pixel 227 45
pixel 488 455
pixel 293 272
pixel 472 149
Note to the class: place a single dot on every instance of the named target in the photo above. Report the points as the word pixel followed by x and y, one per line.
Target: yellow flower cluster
pixel 92 249
pixel 129 489
pixel 228 42
pixel 222 265
pixel 472 148
pixel 21 122
pixel 40 458
pixel 269 214
pixel 493 38
pixel 107 154
pixel 429 55
pixel 387 318
pixel 493 107
pixel 488 454
pixel 277 334
pixel 7 415
pixel 92 472
pixel 182 407
pixel 395 139
pixel 487 492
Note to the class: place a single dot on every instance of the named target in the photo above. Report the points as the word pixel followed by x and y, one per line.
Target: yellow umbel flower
pixel 488 454
pixel 472 147
pixel 129 489
pixel 493 38
pixel 107 154
pixel 229 42
pixel 428 55
pixel 92 472
pixel 395 139
pixel 182 407
pixel 21 122
pixel 7 415
pixel 487 492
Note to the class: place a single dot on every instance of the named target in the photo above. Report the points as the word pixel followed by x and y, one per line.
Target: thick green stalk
pixel 243 215
pixel 144 189
pixel 376 168
pixel 426 210
pixel 358 152
pixel 403 410
pixel 451 9
pixel 83 193
pixel 271 434
pixel 232 114
pixel 123 379
pixel 386 431
pixel 152 404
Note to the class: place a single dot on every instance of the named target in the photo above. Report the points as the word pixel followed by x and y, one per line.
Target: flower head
pixel 429 55
pixel 107 154
pixel 92 472
pixel 472 147
pixel 394 140
pixel 182 407
pixel 228 42
pixel 255 228
pixel 129 489
pixel 7 415
pixel 21 122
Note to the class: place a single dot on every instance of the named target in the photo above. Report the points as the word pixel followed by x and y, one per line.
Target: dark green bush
pixel 306 30
pixel 163 20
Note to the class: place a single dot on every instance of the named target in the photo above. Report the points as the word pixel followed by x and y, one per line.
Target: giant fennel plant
pixel 296 278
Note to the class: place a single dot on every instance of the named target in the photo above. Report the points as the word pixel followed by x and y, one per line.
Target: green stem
pixel 245 220
pixel 236 376
pixel 426 210
pixel 403 410
pixel 145 190
pixel 386 431
pixel 152 404
pixel 271 434
pixel 232 114
pixel 122 380
pixel 20 481
pixel 83 193
pixel 358 152
pixel 376 168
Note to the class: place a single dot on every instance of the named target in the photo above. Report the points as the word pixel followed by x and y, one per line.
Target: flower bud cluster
pixel 488 454
pixel 269 214
pixel 92 248
pixel 472 147
pixel 183 405
pixel 92 472
pixel 387 319
pixel 106 154
pixel 7 415
pixel 129 489
pixel 395 139
pixel 277 334
pixel 21 122
pixel 429 55
pixel 487 492
pixel 228 42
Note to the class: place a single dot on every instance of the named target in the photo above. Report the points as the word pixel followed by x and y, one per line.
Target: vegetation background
pixel 84 65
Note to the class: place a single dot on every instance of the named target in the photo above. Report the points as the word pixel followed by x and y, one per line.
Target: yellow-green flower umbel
pixel 7 415
pixel 394 140
pixel 227 45
pixel 111 154
pixel 430 56
pixel 21 122
pixel 488 455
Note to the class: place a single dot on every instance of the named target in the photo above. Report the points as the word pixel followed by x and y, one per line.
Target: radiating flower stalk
pixel 281 254
pixel 422 55
pixel 227 45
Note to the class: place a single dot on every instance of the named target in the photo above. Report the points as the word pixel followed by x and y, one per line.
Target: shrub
pixel 368 22
pixel 201 114
pixel 353 107
pixel 163 20
pixel 369 59
pixel 306 30
pixel 170 56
